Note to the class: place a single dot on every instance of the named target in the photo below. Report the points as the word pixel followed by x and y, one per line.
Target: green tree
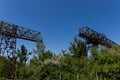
pixel 45 55
pixel 22 55
pixel 75 68
pixel 105 64
pixel 78 48
pixel 4 68
pixel 22 58
pixel 40 47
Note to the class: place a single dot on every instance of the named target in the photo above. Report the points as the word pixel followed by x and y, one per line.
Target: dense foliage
pixel 101 64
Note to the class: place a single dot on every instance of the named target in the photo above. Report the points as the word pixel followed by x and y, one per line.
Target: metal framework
pixel 8 35
pixel 95 38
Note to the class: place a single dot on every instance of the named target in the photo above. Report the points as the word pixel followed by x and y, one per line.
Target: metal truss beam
pixel 8 35
pixel 19 32
pixel 95 38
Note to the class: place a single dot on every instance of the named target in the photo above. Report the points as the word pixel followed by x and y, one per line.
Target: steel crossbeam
pixel 95 38
pixel 8 35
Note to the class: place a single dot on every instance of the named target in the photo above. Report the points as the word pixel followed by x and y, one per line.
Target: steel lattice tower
pixel 95 38
pixel 8 36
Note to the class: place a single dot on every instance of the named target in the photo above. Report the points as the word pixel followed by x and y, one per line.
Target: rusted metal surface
pixel 8 35
pixel 95 38
pixel 18 32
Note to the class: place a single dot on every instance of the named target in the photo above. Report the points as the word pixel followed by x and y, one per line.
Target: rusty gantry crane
pixel 8 35
pixel 95 38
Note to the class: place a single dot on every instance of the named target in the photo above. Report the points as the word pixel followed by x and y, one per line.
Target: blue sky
pixel 59 20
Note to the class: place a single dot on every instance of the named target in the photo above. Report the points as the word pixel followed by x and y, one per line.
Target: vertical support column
pixel 8 48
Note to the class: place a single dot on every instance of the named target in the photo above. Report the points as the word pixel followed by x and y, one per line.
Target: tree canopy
pixel 102 64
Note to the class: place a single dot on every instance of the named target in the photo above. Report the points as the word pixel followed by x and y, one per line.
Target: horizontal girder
pixel 93 37
pixel 8 35
pixel 19 32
